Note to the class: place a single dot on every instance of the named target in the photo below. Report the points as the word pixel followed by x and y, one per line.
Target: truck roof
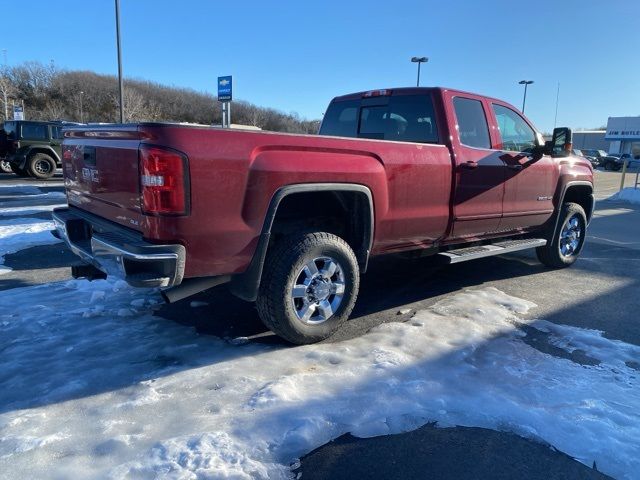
pixel 413 91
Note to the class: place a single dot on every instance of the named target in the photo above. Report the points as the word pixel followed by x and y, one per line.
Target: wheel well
pixel 344 213
pixel 582 195
pixel 46 151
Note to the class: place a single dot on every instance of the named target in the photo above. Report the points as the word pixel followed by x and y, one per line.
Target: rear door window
pixel 34 131
pixel 406 118
pixel 472 125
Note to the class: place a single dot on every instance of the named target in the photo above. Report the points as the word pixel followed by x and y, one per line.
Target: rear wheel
pixel 309 287
pixel 41 166
pixel 564 246
pixel 608 166
pixel 5 167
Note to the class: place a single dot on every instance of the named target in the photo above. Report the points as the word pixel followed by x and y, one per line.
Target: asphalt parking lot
pixel 599 292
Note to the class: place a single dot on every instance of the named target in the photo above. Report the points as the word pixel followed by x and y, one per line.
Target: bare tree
pixel 6 92
pixel 55 110
pixel 134 104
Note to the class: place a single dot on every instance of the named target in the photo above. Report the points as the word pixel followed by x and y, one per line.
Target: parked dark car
pixel 614 161
pixel 34 148
pixel 593 160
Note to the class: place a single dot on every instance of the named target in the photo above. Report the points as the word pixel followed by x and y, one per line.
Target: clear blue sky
pixel 297 55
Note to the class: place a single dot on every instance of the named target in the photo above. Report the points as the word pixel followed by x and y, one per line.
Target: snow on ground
pixel 93 385
pixel 29 210
pixel 20 233
pixel 630 195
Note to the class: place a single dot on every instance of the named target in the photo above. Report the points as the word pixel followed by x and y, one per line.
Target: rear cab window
pixel 404 118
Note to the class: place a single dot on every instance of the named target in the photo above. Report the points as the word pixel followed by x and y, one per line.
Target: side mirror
pixel 561 142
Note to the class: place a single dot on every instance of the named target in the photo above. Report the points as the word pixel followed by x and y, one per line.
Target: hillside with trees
pixel 50 93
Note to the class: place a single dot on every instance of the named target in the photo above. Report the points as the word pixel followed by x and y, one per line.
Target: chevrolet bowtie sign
pixel 225 88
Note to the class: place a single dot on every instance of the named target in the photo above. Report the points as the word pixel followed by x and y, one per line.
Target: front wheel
pixel 565 244
pixel 309 287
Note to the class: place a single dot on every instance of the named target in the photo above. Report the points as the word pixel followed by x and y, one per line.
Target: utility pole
pixel 119 60
pixel 525 83
pixel 81 116
pixel 419 60
pixel 4 88
pixel 555 120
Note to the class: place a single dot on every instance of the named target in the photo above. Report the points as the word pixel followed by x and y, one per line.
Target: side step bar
pixel 505 246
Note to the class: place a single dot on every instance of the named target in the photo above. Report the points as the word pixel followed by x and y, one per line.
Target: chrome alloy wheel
pixel 318 290
pixel 571 236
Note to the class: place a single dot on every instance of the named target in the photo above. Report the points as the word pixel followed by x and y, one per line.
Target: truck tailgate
pixel 101 172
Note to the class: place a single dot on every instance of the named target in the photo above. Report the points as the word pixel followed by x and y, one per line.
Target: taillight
pixel 67 153
pixel 164 181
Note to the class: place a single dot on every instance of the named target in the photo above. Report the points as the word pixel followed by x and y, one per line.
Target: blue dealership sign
pixel 225 88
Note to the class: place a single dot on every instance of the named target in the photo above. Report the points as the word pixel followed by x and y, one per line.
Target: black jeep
pixel 33 148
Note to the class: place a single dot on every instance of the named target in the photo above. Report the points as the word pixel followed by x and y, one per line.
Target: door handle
pixel 515 167
pixel 470 164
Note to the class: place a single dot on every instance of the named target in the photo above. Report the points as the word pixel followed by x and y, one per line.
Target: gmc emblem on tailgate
pixel 90 175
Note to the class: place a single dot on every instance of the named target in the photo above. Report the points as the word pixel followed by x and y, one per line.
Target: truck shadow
pixel 392 283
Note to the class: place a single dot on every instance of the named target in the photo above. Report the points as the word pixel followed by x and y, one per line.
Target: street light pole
pixel 525 83
pixel 419 60
pixel 81 117
pixel 4 88
pixel 119 60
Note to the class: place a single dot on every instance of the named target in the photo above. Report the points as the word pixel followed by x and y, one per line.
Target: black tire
pixel 285 266
pixel 608 166
pixel 41 165
pixel 5 167
pixel 551 254
pixel 18 171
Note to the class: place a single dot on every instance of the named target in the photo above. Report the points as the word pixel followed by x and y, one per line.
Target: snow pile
pixel 92 384
pixel 20 233
pixel 630 195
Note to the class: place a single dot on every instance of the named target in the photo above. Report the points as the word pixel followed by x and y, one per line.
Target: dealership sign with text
pixel 623 128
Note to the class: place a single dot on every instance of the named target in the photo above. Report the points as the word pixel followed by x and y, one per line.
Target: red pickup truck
pixel 290 221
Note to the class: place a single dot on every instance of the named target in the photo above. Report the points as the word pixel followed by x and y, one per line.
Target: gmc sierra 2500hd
pixel 290 221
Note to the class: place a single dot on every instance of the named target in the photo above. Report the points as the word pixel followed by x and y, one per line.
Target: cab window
pixel 471 122
pixel 405 118
pixel 517 135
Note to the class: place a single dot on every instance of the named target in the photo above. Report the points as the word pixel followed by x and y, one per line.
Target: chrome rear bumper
pixel 119 252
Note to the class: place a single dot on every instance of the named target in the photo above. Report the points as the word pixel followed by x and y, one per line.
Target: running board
pixel 481 251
